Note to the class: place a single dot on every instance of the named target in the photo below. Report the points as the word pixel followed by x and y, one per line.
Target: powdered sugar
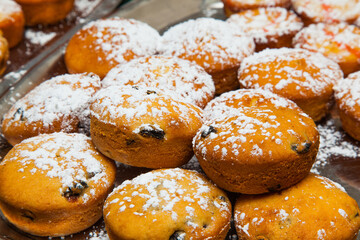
pixel 266 24
pixel 347 92
pixel 209 42
pixel 39 37
pixel 8 7
pixel 117 37
pixel 174 75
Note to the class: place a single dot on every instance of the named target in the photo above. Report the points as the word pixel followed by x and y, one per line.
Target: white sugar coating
pixel 68 157
pixel 329 184
pixel 336 41
pixel 170 74
pixel 136 103
pixel 266 22
pixel 39 37
pixel 321 234
pixel 267 2
pixel 8 7
pixel 348 90
pixel 66 96
pixel 169 189
pixel 210 41
pixel 115 37
pixel 317 82
pixel 328 10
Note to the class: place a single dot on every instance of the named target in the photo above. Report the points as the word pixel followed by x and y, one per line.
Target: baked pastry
pixel 254 141
pixel 339 42
pixel 170 74
pixel 12 21
pixel 102 44
pixel 59 104
pixel 54 184
pixel 315 208
pixel 4 53
pixel 234 6
pixel 143 127
pixel 167 204
pixel 328 11
pixel 302 76
pixel 347 95
pixel 213 44
pixel 45 12
pixel 272 27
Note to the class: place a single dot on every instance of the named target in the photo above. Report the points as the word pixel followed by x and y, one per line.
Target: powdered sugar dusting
pixel 39 37
pixel 266 24
pixel 8 7
pixel 209 42
pixel 347 92
pixel 116 37
pixel 177 76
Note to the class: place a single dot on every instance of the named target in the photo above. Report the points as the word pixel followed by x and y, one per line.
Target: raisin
pixel 274 188
pixel 222 198
pixel 357 214
pixel 19 114
pixel 148 92
pixel 153 132
pixel 135 87
pixel 205 226
pixel 129 141
pixel 75 189
pixel 208 131
pixel 177 235
pixel 301 148
pixel 28 214
pixel 91 175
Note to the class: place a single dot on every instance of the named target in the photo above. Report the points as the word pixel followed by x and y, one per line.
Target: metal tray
pixel 338 157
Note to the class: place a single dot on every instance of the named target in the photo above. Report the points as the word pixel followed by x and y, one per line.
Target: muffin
pixel 315 208
pixel 45 12
pixel 4 53
pixel 270 27
pixel 347 95
pixel 339 42
pixel 54 184
pixel 170 74
pixel 167 204
pixel 234 6
pixel 11 21
pixel 254 141
pixel 213 44
pixel 102 44
pixel 60 104
pixel 143 127
pixel 302 76
pixel 327 11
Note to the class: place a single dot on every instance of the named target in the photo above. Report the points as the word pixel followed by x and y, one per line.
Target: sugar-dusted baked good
pixel 12 21
pixel 102 44
pixel 305 77
pixel 54 184
pixel 234 6
pixel 215 45
pixel 4 53
pixel 45 12
pixel 167 204
pixel 143 127
pixel 272 27
pixel 170 74
pixel 254 141
pixel 328 11
pixel 315 208
pixel 347 96
pixel 60 104
pixel 339 42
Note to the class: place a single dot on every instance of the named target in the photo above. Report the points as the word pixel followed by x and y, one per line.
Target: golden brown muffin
pixel 302 76
pixel 101 45
pixel 234 6
pixel 213 44
pixel 339 42
pixel 60 104
pixel 316 208
pixel 347 95
pixel 327 11
pixel 143 127
pixel 167 204
pixel 45 12
pixel 171 74
pixel 254 141
pixel 272 27
pixel 11 21
pixel 4 53
pixel 54 184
